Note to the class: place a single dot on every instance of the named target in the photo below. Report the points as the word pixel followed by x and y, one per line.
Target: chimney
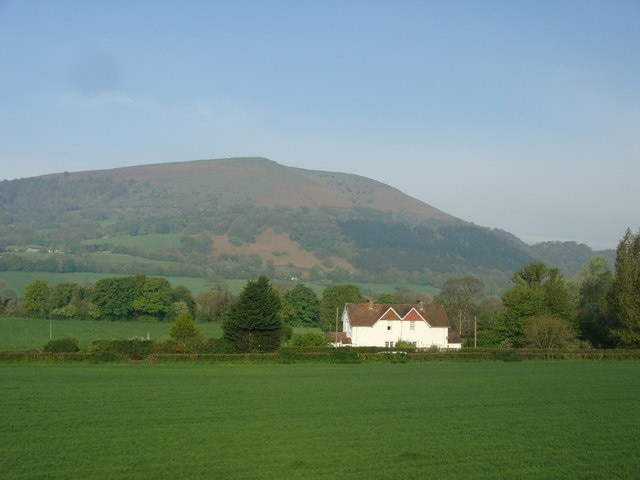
pixel 420 305
pixel 370 300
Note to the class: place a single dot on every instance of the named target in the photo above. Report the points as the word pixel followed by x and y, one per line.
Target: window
pixel 412 326
pixel 388 344
pixel 388 325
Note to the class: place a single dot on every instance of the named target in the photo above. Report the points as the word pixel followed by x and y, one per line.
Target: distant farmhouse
pixel 383 325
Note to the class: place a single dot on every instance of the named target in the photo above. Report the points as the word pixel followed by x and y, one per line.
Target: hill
pixel 235 218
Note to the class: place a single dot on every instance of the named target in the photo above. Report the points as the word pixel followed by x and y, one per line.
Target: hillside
pixel 235 218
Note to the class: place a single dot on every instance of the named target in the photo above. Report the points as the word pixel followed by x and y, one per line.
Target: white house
pixel 382 325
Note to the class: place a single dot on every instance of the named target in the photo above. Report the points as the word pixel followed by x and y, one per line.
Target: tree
pixel 114 297
pixel 7 297
pixel 548 332
pixel 61 298
pixel 306 306
pixel 593 316
pixel 333 300
pixel 211 305
pixel 183 328
pixel 153 297
pixel 624 295
pixel 253 322
pixel 183 294
pixel 36 297
pixel 460 296
pixel 537 290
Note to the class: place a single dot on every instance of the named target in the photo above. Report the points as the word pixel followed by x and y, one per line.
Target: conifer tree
pixel 253 322
pixel 624 296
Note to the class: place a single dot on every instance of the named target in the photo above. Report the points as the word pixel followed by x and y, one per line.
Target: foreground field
pixel 542 420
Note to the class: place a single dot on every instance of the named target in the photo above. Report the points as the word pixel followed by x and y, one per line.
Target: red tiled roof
pixel 366 314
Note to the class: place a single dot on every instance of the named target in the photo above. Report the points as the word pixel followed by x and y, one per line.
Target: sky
pixel 518 115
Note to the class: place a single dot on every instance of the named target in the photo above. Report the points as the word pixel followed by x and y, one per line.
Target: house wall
pixel 391 331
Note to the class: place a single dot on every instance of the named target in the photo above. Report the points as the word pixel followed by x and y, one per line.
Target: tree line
pixel 601 308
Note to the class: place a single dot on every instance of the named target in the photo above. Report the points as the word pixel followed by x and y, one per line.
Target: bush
pixel 405 346
pixel 310 339
pixel 507 355
pixel 113 349
pixel 218 346
pixel 62 345
pixel 344 355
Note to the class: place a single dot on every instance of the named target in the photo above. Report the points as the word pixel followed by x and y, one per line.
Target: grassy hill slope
pixel 235 218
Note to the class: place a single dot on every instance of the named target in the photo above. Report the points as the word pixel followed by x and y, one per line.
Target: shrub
pixel 218 346
pixel 509 355
pixel 344 355
pixel 62 345
pixel 113 349
pixel 405 346
pixel 310 339
pixel 184 327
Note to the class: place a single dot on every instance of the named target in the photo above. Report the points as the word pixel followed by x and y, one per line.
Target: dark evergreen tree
pixel 624 296
pixel 253 322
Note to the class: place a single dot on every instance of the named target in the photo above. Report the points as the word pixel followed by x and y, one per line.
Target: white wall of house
pixel 387 333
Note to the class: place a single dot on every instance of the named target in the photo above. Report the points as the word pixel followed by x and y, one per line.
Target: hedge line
pixel 151 352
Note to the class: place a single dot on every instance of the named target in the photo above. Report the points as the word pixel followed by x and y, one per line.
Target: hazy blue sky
pixel 520 115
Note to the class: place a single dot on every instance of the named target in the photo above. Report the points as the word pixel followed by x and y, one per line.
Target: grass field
pixel 33 333
pixel 18 281
pixel 534 420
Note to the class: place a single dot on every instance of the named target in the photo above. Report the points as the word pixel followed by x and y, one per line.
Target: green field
pixel 33 333
pixel 492 420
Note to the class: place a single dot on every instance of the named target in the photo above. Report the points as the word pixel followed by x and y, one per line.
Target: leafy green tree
pixel 253 322
pixel 305 305
pixel 7 297
pixel 184 328
pixel 333 301
pixel 183 294
pixel 593 313
pixel 625 292
pixel 537 290
pixel 61 295
pixel 36 298
pixel 114 297
pixel 153 296
pixel 385 298
pixel 548 332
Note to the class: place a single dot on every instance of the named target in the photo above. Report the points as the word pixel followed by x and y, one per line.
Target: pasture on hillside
pixel 545 420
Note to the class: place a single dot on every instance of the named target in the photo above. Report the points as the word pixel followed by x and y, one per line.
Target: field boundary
pixel 330 355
